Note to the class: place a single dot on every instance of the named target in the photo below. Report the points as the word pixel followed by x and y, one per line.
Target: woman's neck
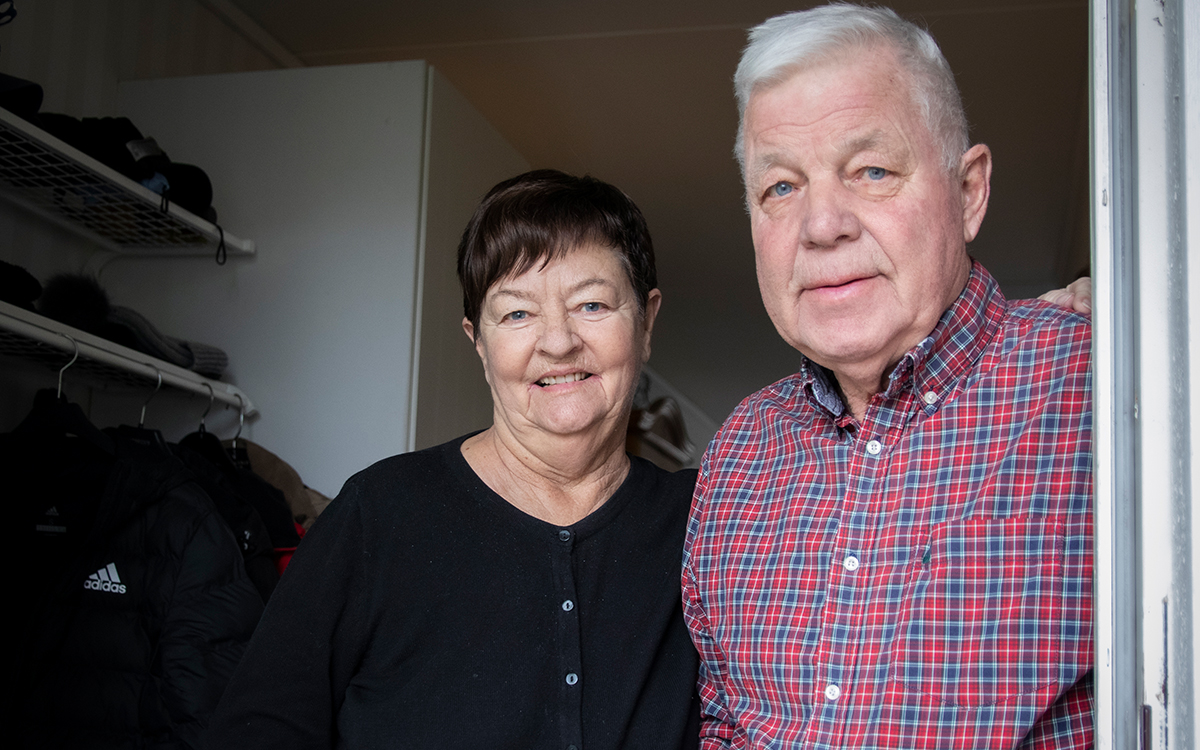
pixel 559 480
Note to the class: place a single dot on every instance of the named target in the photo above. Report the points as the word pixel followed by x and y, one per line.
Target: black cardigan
pixel 424 611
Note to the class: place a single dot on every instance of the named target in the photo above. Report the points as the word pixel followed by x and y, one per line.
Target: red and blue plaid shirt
pixel 922 579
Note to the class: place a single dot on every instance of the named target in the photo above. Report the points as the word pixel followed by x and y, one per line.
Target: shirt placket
pixel 845 659
pixel 570 656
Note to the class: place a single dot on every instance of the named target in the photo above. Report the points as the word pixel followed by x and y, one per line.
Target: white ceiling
pixel 638 93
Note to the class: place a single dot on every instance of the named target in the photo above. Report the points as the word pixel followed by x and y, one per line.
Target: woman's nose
pixel 559 337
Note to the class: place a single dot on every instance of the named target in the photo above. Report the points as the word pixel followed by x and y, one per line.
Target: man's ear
pixel 976 171
pixel 653 303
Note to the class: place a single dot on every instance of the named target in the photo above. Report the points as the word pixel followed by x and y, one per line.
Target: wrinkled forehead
pixel 843 107
pixel 834 62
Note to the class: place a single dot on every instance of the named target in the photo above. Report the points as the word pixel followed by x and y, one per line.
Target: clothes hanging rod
pixel 50 333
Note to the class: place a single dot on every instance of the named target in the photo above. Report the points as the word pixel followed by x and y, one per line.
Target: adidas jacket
pixel 132 599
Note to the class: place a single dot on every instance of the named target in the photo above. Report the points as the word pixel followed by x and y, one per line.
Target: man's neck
pixel 858 391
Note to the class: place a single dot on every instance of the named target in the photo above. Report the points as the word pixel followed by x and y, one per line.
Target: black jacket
pixel 132 602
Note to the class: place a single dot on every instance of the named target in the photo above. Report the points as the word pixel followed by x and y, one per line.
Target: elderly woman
pixel 519 587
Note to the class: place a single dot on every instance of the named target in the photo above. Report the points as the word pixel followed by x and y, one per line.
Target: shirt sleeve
pixel 1068 724
pixel 716 723
pixel 288 688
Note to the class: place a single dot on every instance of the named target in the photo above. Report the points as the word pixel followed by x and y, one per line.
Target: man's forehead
pixel 847 109
pixel 865 129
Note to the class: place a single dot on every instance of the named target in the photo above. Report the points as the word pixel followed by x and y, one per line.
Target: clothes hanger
pixel 75 356
pixel 142 435
pixel 206 443
pixel 237 453
pixel 54 418
pixel 211 397
pixel 142 418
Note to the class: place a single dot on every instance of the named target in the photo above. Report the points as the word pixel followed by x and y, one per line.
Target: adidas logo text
pixel 105 579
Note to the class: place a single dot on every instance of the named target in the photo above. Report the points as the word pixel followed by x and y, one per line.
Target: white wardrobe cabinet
pixel 355 183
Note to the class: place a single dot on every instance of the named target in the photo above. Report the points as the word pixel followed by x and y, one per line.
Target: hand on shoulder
pixel 1077 296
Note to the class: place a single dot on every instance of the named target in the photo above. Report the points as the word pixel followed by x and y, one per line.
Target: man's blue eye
pixel 781 189
pixel 876 173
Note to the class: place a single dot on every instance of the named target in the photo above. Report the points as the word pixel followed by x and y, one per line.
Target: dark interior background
pixel 637 93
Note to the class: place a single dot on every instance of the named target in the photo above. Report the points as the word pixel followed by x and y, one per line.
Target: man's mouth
pixel 837 284
pixel 560 379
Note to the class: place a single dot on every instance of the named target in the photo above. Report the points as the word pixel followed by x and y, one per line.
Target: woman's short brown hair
pixel 542 215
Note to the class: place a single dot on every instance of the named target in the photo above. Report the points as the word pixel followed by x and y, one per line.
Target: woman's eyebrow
pixel 512 293
pixel 598 281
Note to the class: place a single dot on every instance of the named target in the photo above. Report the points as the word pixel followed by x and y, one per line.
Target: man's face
pixel 859 232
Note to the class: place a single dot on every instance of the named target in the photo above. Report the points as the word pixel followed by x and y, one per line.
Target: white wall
pixel 466 158
pixel 78 50
pixel 321 167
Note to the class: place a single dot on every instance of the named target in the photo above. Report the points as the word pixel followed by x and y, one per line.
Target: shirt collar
pixel 937 361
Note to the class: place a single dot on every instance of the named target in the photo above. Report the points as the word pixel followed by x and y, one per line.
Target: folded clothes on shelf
pixel 117 143
pixel 18 286
pixel 79 300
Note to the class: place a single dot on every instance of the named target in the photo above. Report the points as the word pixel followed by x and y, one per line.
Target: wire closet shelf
pixel 71 189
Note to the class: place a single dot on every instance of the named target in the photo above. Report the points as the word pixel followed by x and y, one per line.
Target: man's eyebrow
pixel 761 165
pixel 863 142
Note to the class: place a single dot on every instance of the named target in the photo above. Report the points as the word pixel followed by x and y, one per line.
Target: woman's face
pixel 562 344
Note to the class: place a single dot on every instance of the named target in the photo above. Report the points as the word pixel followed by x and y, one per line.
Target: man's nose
pixel 559 337
pixel 828 217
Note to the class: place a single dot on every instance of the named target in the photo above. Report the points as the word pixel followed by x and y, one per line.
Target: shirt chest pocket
pixel 978 622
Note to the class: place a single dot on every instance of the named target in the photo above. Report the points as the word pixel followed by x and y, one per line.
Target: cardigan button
pixel 564 535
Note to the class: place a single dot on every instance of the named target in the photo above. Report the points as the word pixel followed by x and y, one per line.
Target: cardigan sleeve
pixel 289 687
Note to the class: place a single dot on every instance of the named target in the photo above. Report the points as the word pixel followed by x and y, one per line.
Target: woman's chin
pixel 573 423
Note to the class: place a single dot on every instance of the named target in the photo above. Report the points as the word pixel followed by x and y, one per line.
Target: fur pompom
pixel 77 300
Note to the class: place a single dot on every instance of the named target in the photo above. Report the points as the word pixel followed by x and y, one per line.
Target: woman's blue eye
pixel 781 189
pixel 517 315
pixel 876 173
pixel 591 307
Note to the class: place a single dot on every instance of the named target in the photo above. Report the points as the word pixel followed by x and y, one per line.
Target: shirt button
pixel 832 692
pixel 568 605
pixel 564 535
pixel 572 678
pixel 874 447
pixel 850 563
pixel 930 397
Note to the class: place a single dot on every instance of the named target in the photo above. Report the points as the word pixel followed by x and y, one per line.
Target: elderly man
pixel 891 548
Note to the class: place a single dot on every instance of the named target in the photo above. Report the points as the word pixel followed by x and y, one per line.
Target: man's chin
pixel 850 355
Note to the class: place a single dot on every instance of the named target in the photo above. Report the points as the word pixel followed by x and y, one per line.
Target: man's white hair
pixel 783 45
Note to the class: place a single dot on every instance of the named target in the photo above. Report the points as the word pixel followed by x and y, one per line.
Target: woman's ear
pixel 469 329
pixel 653 303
